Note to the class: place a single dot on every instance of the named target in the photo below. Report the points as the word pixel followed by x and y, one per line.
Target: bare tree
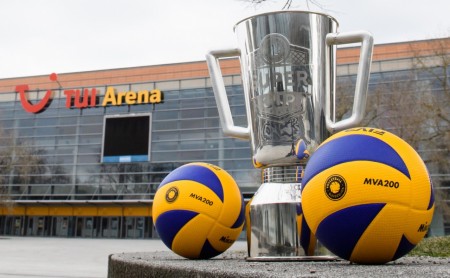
pixel 5 166
pixel 133 179
pixel 432 64
pixel 18 162
pixel 414 105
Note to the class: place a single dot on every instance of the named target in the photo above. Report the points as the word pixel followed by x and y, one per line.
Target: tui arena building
pixel 82 154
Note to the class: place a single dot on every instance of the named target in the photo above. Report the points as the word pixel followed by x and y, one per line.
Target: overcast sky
pixel 38 37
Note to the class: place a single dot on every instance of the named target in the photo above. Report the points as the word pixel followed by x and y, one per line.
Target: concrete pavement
pixel 233 264
pixel 33 257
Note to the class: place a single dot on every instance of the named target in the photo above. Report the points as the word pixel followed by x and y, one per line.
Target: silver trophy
pixel 288 68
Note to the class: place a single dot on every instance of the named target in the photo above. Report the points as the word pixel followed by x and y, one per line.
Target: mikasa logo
pixel 171 194
pixel 335 187
pixel 423 227
pixel 226 239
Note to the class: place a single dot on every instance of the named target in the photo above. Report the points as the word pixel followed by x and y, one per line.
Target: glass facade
pixel 51 171
pixel 61 147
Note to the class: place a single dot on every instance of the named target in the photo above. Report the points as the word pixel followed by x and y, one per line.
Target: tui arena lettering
pixel 88 97
pixel 201 199
pixel 381 182
pixel 112 97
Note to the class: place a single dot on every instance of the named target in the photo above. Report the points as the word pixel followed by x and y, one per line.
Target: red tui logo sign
pixel 88 98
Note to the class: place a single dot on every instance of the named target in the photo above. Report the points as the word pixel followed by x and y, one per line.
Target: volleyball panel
pixel 222 237
pixel 385 147
pixel 238 219
pixel 382 236
pixel 169 223
pixel 363 182
pixel 200 172
pixel 353 147
pixel 418 223
pixel 232 211
pixel 422 190
pixel 341 230
pixel 191 239
pixel 307 238
pixel 186 195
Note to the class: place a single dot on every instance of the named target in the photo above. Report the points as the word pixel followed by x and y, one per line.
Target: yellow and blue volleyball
pixel 301 150
pixel 367 196
pixel 257 164
pixel 198 211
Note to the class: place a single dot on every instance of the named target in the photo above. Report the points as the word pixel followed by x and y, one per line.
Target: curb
pixel 233 264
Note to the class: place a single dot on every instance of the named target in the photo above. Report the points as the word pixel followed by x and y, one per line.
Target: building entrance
pixel 82 221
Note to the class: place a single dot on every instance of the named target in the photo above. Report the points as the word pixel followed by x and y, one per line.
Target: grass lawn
pixel 433 246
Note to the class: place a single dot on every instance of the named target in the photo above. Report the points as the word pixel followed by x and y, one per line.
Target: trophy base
pixel 294 259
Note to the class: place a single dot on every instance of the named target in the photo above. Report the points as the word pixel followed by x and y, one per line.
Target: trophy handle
pixel 362 79
pixel 226 119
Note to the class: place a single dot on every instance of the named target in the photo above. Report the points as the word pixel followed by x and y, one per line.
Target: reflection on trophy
pixel 288 72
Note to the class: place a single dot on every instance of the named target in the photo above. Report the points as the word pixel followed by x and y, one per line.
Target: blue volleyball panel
pixel 241 217
pixel 299 209
pixel 431 202
pixel 198 174
pixel 403 248
pixel 340 231
pixel 305 236
pixel 208 251
pixel 169 223
pixel 353 148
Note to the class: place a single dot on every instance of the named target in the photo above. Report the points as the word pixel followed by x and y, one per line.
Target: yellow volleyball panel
pixel 382 236
pixel 186 195
pixel 418 224
pixel 221 237
pixel 232 207
pixel 353 183
pixel 190 239
pixel 422 190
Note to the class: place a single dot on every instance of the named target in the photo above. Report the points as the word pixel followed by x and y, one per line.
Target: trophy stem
pixel 278 231
pixel 283 174
pixel 273 214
